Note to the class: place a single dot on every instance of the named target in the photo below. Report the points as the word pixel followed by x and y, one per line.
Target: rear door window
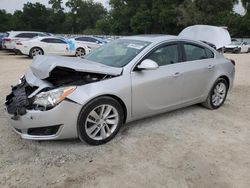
pixel 195 52
pixel 53 40
pixel 81 39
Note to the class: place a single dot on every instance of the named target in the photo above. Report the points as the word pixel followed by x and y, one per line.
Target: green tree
pixel 85 14
pixel 35 16
pixel 5 21
pixel 56 17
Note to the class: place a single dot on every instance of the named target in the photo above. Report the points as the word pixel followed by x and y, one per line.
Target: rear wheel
pixel 217 95
pixel 80 52
pixel 100 121
pixel 35 51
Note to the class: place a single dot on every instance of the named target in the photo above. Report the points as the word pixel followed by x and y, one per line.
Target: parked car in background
pixel 12 37
pixel 91 42
pixel 51 45
pixel 122 81
pixel 238 47
pixel 2 35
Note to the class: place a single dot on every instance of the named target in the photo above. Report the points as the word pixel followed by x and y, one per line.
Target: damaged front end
pixel 18 102
pixel 42 93
pixel 62 82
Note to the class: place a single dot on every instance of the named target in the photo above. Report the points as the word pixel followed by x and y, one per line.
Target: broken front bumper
pixel 57 123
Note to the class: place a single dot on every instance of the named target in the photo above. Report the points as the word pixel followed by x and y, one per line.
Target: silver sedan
pixel 125 80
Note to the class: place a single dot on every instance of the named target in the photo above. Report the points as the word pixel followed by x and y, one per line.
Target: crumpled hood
pixel 43 65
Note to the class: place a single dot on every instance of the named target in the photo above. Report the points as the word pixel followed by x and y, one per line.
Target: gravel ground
pixel 191 147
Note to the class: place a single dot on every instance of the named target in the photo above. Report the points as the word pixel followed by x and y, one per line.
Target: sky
pixel 11 5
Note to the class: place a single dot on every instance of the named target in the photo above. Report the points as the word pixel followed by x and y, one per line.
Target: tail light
pixel 232 61
pixel 6 39
pixel 19 43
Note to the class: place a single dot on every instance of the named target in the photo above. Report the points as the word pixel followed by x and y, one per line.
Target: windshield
pixel 117 53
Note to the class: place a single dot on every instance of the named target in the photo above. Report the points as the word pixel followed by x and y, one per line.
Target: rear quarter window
pixel 195 52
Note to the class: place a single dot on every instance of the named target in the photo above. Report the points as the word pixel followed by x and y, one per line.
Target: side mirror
pixel 148 64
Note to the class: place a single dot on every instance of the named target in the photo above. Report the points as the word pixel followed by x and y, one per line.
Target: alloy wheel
pixel 102 122
pixel 36 51
pixel 219 94
pixel 80 52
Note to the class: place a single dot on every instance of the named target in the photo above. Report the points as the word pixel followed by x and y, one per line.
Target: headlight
pixel 52 98
pixel 21 80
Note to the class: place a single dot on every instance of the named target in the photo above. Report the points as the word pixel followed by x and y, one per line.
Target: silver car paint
pixel 141 102
pixel 143 93
pixel 55 116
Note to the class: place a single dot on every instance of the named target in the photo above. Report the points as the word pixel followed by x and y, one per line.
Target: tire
pixel 35 51
pixel 80 52
pixel 94 127
pixel 248 50
pixel 213 101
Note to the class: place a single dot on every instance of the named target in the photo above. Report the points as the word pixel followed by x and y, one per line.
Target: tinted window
pixel 209 53
pixel 53 40
pixel 165 55
pixel 81 39
pixel 92 40
pixel 26 35
pixel 194 52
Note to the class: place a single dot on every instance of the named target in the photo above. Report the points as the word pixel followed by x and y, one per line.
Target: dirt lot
pixel 191 147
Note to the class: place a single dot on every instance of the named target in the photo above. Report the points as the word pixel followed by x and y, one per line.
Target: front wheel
pixel 100 121
pixel 217 95
pixel 35 51
pixel 80 52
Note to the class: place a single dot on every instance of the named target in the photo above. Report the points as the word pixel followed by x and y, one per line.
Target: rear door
pixel 55 46
pixel 85 41
pixel 198 70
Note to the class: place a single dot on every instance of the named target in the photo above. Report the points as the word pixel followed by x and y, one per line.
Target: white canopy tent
pixel 218 36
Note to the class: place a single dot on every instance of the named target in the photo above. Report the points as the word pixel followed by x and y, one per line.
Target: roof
pixel 153 37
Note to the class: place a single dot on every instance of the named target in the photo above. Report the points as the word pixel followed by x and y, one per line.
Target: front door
pixel 156 90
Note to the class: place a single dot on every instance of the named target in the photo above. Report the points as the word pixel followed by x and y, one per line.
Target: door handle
pixel 210 66
pixel 177 74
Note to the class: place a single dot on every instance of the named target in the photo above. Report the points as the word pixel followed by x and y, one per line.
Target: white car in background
pixel 51 45
pixel 91 42
pixel 13 37
pixel 238 47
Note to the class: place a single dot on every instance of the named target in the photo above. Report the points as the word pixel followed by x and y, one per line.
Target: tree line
pixel 127 17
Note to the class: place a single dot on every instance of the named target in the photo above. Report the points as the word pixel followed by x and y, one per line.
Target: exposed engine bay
pixel 61 76
pixel 19 101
